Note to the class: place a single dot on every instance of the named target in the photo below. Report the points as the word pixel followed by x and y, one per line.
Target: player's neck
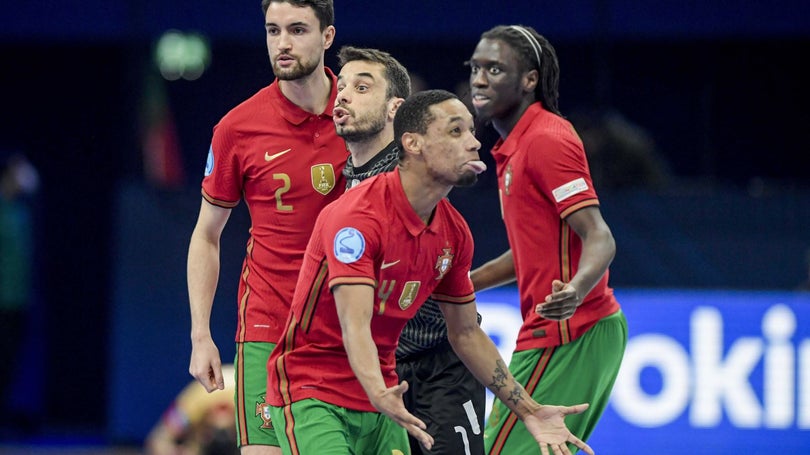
pixel 422 191
pixel 363 151
pixel 507 122
pixel 311 92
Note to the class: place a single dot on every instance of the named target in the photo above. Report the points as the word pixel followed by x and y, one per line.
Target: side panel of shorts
pixel 582 371
pixel 253 423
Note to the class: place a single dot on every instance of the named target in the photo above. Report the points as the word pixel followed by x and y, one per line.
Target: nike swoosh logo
pixel 268 156
pixel 385 265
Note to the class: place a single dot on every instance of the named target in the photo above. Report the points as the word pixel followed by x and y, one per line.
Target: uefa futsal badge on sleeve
pixel 209 162
pixel 571 188
pixel 349 245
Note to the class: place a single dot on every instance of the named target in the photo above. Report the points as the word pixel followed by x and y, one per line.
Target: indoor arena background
pixel 709 257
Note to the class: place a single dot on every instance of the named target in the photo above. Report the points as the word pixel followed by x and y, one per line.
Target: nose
pixel 478 79
pixel 474 145
pixel 342 96
pixel 283 41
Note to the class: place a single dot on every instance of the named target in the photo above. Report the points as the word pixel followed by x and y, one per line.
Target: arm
pixel 545 422
pixel 497 272
pixel 598 249
pixel 202 275
pixel 355 304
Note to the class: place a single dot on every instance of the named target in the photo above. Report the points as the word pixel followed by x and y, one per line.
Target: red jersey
pixel 286 163
pixel 543 177
pixel 370 236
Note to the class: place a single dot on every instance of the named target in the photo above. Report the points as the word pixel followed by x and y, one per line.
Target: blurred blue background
pixel 717 90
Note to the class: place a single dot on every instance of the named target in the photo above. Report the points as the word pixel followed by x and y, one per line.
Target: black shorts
pixel 446 396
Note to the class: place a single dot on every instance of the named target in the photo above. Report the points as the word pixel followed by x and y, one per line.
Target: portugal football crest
pixel 263 411
pixel 323 178
pixel 507 180
pixel 444 262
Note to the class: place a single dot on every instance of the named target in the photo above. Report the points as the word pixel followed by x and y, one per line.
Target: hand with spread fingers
pixel 391 404
pixel 547 425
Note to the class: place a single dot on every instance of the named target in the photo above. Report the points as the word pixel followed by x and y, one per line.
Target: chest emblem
pixel 323 178
pixel 409 293
pixel 507 180
pixel 444 262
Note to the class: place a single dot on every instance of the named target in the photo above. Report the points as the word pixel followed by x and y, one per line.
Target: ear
pixel 412 143
pixel 530 80
pixel 328 36
pixel 393 106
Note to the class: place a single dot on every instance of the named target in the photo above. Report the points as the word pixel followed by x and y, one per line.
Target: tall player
pixel 278 151
pixel 574 333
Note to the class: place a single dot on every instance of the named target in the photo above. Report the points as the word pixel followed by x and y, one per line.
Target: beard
pixel 366 127
pixel 297 71
pixel 467 179
pixel 463 180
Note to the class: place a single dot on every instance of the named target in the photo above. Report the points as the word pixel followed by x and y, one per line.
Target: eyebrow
pixel 294 24
pixel 484 62
pixel 368 75
pixel 365 74
pixel 455 119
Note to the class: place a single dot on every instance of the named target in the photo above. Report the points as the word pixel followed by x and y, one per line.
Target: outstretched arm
pixel 202 276
pixel 496 272
pixel 355 304
pixel 545 422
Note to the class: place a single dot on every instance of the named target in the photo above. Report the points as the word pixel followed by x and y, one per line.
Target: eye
pixel 494 69
pixel 272 31
pixel 362 88
pixel 299 31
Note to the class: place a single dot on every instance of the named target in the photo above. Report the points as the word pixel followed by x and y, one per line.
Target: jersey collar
pixel 294 114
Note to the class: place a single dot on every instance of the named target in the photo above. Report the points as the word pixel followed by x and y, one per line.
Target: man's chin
pixel 293 73
pixel 466 180
pixel 288 75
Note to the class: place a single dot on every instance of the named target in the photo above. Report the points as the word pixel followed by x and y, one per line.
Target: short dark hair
pixel 399 83
pixel 414 116
pixel 548 67
pixel 324 9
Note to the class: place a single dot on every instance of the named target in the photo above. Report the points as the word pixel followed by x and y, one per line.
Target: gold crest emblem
pixel 323 178
pixel 444 262
pixel 409 293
